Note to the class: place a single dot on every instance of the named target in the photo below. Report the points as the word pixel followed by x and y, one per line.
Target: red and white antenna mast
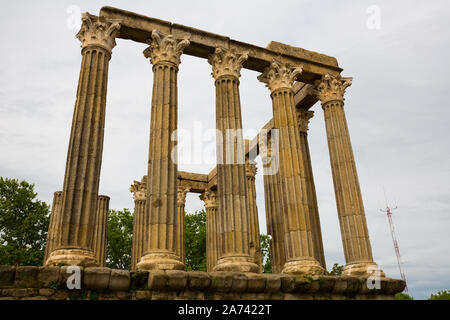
pixel 394 239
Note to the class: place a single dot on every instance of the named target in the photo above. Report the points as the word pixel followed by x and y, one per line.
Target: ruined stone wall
pixel 50 283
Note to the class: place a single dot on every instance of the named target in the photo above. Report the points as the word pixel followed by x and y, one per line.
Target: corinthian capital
pixel 98 31
pixel 209 197
pixel 227 62
pixel 279 75
pixel 331 88
pixel 165 48
pixel 250 170
pixel 139 189
pixel 303 117
pixel 181 197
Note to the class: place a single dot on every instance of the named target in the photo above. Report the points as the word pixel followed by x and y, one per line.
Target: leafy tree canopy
pixel 195 235
pixel 119 239
pixel 23 224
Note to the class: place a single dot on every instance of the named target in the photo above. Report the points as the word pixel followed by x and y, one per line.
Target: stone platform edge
pixel 50 283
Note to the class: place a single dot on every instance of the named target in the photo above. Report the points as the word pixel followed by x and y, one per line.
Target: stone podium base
pixel 50 283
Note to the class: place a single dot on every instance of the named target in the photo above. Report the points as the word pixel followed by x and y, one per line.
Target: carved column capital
pixel 139 189
pixel 165 48
pixel 98 31
pixel 227 62
pixel 303 117
pixel 181 196
pixel 209 197
pixel 331 88
pixel 280 75
pixel 250 170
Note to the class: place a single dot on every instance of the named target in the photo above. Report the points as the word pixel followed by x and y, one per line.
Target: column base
pixel 236 264
pixel 72 257
pixel 299 267
pixel 362 269
pixel 160 261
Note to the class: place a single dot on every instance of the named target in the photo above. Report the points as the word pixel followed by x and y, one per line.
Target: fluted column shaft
pixel 101 228
pixel 181 239
pixel 303 119
pixel 299 250
pixel 255 245
pixel 273 205
pixel 231 184
pixel 209 198
pixel 55 223
pixel 74 243
pixel 139 232
pixel 352 220
pixel 161 245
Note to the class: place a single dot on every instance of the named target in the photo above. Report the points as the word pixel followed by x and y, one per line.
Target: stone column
pixel 140 221
pixel 299 250
pixel 231 187
pixel 355 237
pixel 160 246
pixel 303 120
pixel 255 245
pixel 181 242
pixel 84 157
pixel 273 203
pixel 101 228
pixel 55 223
pixel 209 197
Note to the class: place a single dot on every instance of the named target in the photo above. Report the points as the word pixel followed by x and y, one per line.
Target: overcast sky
pixel 397 109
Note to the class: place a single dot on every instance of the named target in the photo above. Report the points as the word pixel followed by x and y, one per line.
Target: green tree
pixel 195 235
pixel 23 224
pixel 119 239
pixel 336 270
pixel 265 251
pixel 440 295
pixel 403 296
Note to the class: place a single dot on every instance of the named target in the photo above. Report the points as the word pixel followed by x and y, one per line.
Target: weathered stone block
pixel 139 280
pixel 124 295
pixel 48 276
pixel 302 284
pixel 323 284
pixel 287 283
pixel 7 275
pixel 46 292
pixel 221 281
pixel 158 280
pixel 20 293
pixel 340 285
pixel 198 280
pixel 119 280
pixel 26 277
pixel 273 282
pixel 256 282
pixel 177 279
pixel 96 278
pixel 239 282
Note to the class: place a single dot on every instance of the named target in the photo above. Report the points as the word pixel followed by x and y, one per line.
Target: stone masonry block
pixel 157 280
pixel 256 282
pixel 239 283
pixel 48 276
pixel 177 279
pixel 221 281
pixel 7 275
pixel 119 280
pixel 273 282
pixel 96 278
pixel 26 277
pixel 198 280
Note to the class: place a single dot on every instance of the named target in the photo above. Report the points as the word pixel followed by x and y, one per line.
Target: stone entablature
pixel 50 283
